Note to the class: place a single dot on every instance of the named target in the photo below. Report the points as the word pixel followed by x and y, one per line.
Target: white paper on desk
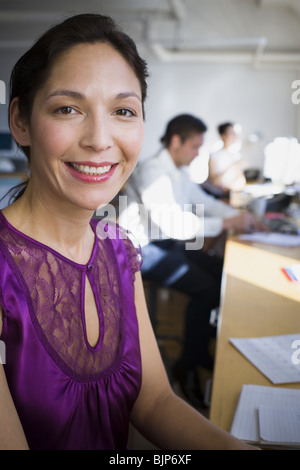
pixel 279 425
pixel 245 423
pixel 295 271
pixel 272 238
pixel 272 355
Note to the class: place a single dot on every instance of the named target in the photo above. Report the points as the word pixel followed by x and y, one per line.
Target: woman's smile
pixel 91 172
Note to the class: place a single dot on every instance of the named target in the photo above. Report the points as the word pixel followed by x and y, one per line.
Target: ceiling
pixel 182 30
pixel 22 21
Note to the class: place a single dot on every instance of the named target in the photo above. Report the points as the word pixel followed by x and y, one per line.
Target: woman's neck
pixel 66 231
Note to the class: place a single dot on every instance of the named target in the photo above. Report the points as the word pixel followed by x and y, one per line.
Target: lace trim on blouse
pixel 54 287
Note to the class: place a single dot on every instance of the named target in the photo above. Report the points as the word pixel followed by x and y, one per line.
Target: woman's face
pixel 86 128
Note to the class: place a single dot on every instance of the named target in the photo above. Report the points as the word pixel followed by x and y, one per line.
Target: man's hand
pixel 245 222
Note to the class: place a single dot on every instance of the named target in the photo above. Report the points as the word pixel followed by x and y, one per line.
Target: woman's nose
pixel 97 133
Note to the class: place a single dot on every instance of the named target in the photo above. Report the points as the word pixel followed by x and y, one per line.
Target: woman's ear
pixel 18 126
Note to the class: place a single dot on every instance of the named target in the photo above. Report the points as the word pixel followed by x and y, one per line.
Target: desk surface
pixel 256 300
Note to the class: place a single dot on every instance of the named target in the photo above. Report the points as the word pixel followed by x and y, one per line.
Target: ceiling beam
pixel 294 4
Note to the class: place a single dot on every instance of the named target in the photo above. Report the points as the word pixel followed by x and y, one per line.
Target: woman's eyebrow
pixel 128 94
pixel 78 95
pixel 70 93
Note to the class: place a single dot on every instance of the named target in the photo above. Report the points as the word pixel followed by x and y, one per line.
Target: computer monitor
pixel 282 160
pixel 8 147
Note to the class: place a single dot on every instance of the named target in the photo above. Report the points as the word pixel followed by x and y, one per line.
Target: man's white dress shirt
pixel 162 202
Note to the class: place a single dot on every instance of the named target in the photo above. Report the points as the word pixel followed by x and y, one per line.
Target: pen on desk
pixel 289 274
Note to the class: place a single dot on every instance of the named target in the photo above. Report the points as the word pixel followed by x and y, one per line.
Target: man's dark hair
pixel 184 125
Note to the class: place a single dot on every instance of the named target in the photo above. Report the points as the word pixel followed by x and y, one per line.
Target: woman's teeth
pixel 91 170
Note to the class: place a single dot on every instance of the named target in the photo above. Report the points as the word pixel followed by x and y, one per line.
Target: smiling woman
pixel 97 121
pixel 81 357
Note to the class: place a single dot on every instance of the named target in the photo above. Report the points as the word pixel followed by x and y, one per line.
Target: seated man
pixel 164 210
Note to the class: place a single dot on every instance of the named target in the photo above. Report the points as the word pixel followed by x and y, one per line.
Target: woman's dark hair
pixel 222 128
pixel 183 125
pixel 32 70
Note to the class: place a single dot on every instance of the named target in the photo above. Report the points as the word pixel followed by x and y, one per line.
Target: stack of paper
pixel 268 417
pixel 277 357
pixel 272 238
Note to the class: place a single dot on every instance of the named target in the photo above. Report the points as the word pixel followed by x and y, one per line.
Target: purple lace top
pixel 68 394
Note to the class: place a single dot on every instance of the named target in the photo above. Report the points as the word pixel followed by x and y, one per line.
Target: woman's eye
pixel 125 112
pixel 65 110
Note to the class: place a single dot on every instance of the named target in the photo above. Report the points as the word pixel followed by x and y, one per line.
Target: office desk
pixel 256 300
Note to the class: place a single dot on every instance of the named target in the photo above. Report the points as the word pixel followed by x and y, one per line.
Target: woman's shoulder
pixel 122 240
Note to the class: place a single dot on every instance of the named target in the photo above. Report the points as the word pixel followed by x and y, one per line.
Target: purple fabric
pixel 68 394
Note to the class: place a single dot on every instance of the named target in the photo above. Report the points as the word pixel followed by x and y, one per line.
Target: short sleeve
pixel 133 249
pixel 3 265
pixel 110 229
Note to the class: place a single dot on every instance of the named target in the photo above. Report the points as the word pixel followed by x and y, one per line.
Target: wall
pixel 260 99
